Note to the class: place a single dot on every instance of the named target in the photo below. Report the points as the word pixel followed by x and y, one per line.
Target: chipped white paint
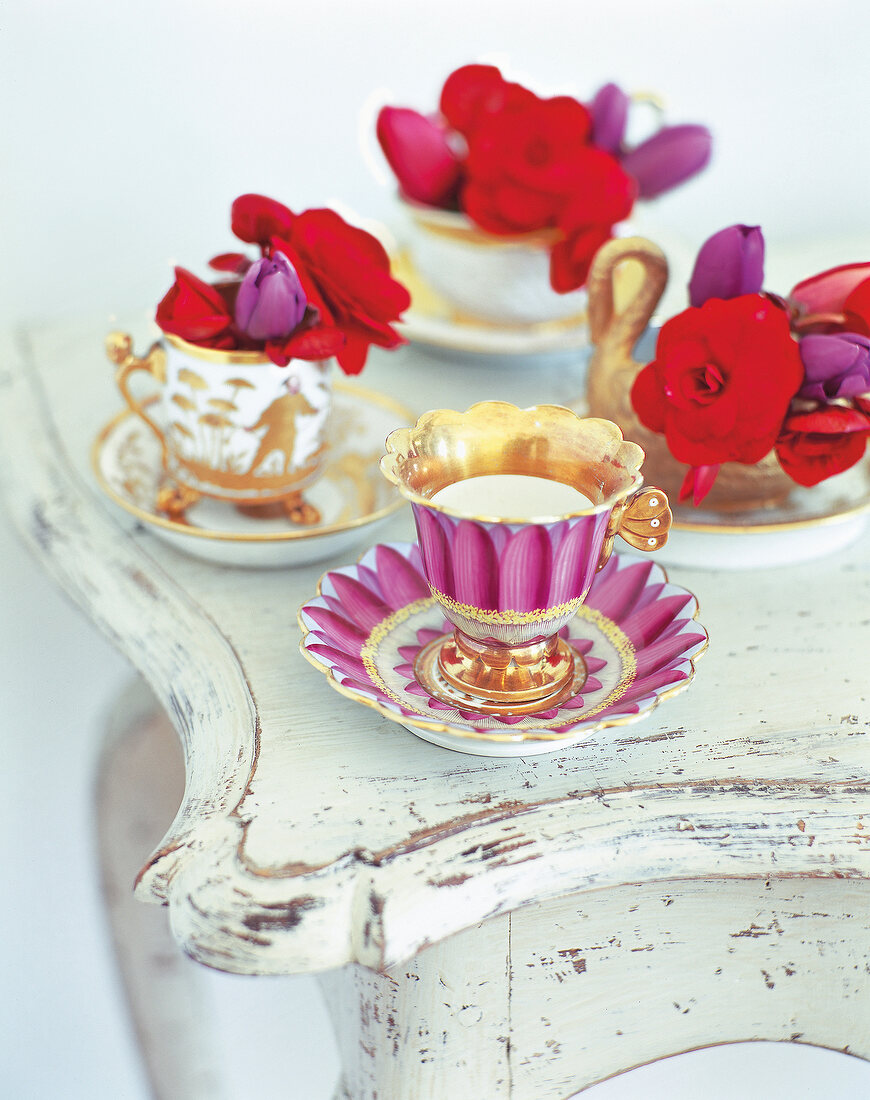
pixel 314 835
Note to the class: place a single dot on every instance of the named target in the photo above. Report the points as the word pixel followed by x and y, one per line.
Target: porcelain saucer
pixel 636 633
pixel 810 523
pixel 351 495
pixel 433 322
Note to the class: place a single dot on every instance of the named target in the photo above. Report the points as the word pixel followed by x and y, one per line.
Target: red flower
pixel 196 312
pixel 816 445
pixel 524 163
pixel 721 382
pixel 474 92
pixel 345 273
pixel 856 309
pixel 256 219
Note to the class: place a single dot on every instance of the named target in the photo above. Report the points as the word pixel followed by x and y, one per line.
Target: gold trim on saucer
pixel 513 736
pixel 403 415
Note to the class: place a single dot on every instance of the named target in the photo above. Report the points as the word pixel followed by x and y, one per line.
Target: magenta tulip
pixel 419 153
pixel 836 366
pixel 668 158
pixel 729 263
pixel 609 110
pixel 271 302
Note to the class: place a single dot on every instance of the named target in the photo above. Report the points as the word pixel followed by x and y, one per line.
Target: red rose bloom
pixel 722 380
pixel 345 273
pixel 196 312
pixel 474 92
pixel 816 445
pixel 523 164
pixel 256 219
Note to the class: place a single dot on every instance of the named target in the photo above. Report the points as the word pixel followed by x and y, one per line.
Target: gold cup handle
pixel 119 349
pixel 646 520
pixel 618 330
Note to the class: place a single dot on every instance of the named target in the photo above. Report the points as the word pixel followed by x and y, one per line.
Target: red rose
pixel 524 163
pixel 345 273
pixel 474 92
pixel 256 219
pixel 571 258
pixel 196 312
pixel 816 445
pixel 856 309
pixel 721 382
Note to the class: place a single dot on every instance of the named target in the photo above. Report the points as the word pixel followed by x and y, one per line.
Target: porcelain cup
pixel 231 424
pixel 508 584
pixel 484 276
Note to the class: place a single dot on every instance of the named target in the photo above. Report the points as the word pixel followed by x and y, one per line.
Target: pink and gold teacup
pixel 509 577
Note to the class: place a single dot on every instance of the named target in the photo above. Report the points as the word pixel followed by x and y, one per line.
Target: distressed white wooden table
pixel 483 928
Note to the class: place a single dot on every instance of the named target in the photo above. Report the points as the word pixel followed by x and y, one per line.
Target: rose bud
pixel 609 110
pixel 835 366
pixel 730 263
pixel 668 158
pixel 270 302
pixel 418 151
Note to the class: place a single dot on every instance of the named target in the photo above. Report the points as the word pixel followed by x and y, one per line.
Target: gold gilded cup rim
pixel 399 443
pixel 221 355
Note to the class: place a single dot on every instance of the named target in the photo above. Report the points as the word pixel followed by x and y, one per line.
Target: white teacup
pixel 232 424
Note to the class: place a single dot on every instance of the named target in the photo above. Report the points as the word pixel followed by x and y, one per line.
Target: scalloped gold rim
pixel 516 737
pixel 166 524
pixel 387 465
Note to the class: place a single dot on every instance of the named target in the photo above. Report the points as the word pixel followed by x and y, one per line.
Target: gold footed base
pixel 499 680
pixel 174 500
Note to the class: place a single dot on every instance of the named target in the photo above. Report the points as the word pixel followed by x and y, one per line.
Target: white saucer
pixel 354 499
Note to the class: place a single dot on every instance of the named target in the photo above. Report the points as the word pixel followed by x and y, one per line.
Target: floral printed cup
pixel 231 424
pixel 509 584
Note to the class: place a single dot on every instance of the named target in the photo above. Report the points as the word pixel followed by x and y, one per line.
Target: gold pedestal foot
pixel 300 511
pixel 174 500
pixel 500 680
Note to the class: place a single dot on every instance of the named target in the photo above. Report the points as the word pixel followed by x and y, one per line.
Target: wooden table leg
pixel 140 784
pixel 556 997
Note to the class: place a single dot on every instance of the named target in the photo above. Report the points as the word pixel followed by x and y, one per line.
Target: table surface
pixel 313 832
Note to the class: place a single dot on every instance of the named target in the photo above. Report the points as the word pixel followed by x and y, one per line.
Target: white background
pixel 127 130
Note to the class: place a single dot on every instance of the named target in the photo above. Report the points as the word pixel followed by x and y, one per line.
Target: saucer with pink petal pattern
pixel 637 634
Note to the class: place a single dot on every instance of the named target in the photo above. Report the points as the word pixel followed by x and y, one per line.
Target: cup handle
pixel 620 331
pixel 646 520
pixel 119 349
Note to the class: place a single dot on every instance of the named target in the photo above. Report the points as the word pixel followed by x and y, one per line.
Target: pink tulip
pixel 419 153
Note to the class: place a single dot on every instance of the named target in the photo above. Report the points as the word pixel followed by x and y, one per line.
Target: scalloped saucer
pixel 636 633
pixel 351 494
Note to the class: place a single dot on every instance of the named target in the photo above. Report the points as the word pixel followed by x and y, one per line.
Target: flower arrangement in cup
pixel 517 164
pixel 243 368
pixel 744 374
pixel 320 288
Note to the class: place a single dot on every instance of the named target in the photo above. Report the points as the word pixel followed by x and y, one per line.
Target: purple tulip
pixel 835 365
pixel 271 301
pixel 668 158
pixel 729 264
pixel 609 110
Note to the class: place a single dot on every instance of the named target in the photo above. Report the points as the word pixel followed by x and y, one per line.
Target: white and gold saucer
pixel 351 495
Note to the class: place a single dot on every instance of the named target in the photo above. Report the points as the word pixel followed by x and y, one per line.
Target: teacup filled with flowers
pixel 749 393
pixel 244 364
pixel 509 195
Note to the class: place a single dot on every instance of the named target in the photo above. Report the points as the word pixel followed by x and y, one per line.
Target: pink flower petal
pixel 358 602
pixel 337 630
pixel 620 591
pixel 401 583
pixel 524 571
